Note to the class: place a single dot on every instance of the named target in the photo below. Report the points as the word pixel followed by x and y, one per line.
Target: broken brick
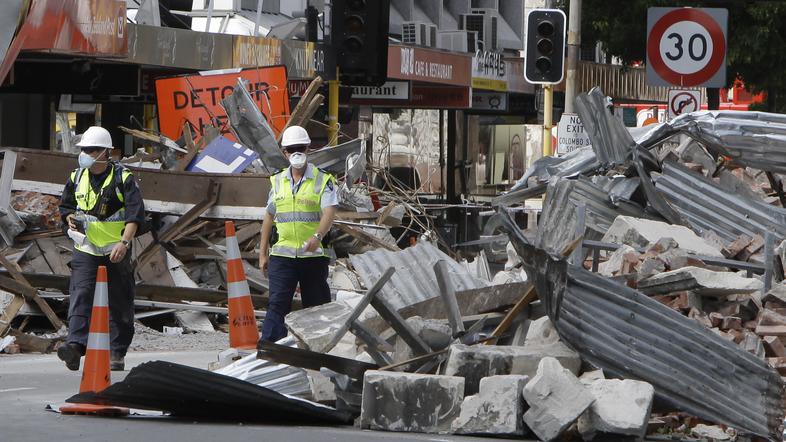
pixel 774 346
pixel 778 364
pixel 735 247
pixel 731 323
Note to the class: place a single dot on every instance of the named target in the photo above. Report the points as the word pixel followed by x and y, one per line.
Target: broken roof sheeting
pixel 188 391
pixel 610 140
pixel 754 139
pixel 707 206
pixel 414 280
pixel 630 335
pixel 557 227
pixel 633 336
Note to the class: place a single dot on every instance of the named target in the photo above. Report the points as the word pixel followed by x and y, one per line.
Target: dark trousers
pixel 284 274
pixel 121 299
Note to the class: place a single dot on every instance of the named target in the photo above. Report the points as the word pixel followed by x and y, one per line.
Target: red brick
pixel 769 317
pixel 12 349
pixel 716 319
pixel 774 346
pixel 736 246
pixel 778 364
pixel 731 323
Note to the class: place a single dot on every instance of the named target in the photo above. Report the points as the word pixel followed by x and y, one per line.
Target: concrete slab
pixel 639 232
pixel 413 402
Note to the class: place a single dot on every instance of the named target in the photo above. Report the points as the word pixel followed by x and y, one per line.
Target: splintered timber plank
pixel 22 287
pixel 52 255
pixel 312 360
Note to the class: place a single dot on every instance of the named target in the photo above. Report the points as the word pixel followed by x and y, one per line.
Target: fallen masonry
pixel 653 275
pixel 556 399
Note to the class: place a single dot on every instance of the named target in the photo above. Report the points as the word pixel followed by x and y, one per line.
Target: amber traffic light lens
pixel 545 46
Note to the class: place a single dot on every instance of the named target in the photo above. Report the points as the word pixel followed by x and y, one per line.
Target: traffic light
pixel 544 53
pixel 359 32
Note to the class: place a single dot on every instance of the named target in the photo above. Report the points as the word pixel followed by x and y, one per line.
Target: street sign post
pixel 683 102
pixel 571 134
pixel 686 46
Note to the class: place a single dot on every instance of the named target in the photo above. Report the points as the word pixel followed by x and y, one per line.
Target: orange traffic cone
pixel 95 371
pixel 243 331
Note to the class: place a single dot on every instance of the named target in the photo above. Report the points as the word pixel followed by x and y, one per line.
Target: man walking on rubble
pixel 302 204
pixel 101 208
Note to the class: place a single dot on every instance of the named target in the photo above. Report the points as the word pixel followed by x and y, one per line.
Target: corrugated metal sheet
pixel 580 161
pixel 610 140
pixel 414 280
pixel 621 83
pixel 559 219
pixel 188 391
pixel 754 139
pixel 632 336
pixel 709 207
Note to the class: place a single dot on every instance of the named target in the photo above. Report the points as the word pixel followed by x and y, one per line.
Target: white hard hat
pixel 96 136
pixel 295 136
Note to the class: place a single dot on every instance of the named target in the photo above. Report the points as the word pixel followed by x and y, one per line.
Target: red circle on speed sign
pixel 686 15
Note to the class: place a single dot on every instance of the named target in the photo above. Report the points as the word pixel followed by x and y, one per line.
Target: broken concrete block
pixel 541 332
pixel 613 265
pixel 621 407
pixel 639 232
pixel 702 281
pixel 437 334
pixel 410 402
pixel 496 409
pixel 710 432
pixel 556 398
pixel 589 377
pixel 479 361
pixel 679 258
pixel 316 326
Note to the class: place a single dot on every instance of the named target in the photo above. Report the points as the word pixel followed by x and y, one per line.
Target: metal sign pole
pixel 548 105
pixel 333 110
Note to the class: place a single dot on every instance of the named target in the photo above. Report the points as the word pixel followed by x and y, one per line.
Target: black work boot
pixel 117 361
pixel 71 353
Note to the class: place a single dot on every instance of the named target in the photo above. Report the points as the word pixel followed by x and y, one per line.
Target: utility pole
pixel 574 49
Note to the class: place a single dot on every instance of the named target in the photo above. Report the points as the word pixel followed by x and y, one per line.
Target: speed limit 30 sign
pixel 686 46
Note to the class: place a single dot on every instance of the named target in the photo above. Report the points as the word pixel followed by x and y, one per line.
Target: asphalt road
pixel 29 382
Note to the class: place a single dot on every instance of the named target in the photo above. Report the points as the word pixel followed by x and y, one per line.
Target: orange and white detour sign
pixel 197 99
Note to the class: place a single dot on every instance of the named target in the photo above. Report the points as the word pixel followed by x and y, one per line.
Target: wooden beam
pixel 211 197
pixel 365 237
pixel 29 292
pixel 192 149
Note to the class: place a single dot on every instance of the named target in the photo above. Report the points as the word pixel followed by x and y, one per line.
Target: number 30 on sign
pixel 686 46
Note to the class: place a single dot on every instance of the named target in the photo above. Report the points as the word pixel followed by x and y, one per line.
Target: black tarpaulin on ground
pixel 192 392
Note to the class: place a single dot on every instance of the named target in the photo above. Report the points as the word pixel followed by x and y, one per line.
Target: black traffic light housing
pixel 544 53
pixel 359 33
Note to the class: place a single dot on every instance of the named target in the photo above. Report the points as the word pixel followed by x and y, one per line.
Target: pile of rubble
pixel 649 299
pixel 653 300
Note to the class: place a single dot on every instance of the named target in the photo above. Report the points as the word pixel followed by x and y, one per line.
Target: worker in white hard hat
pixel 302 204
pixel 101 208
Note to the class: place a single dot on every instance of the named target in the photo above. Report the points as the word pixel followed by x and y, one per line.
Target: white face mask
pixel 85 160
pixel 297 160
